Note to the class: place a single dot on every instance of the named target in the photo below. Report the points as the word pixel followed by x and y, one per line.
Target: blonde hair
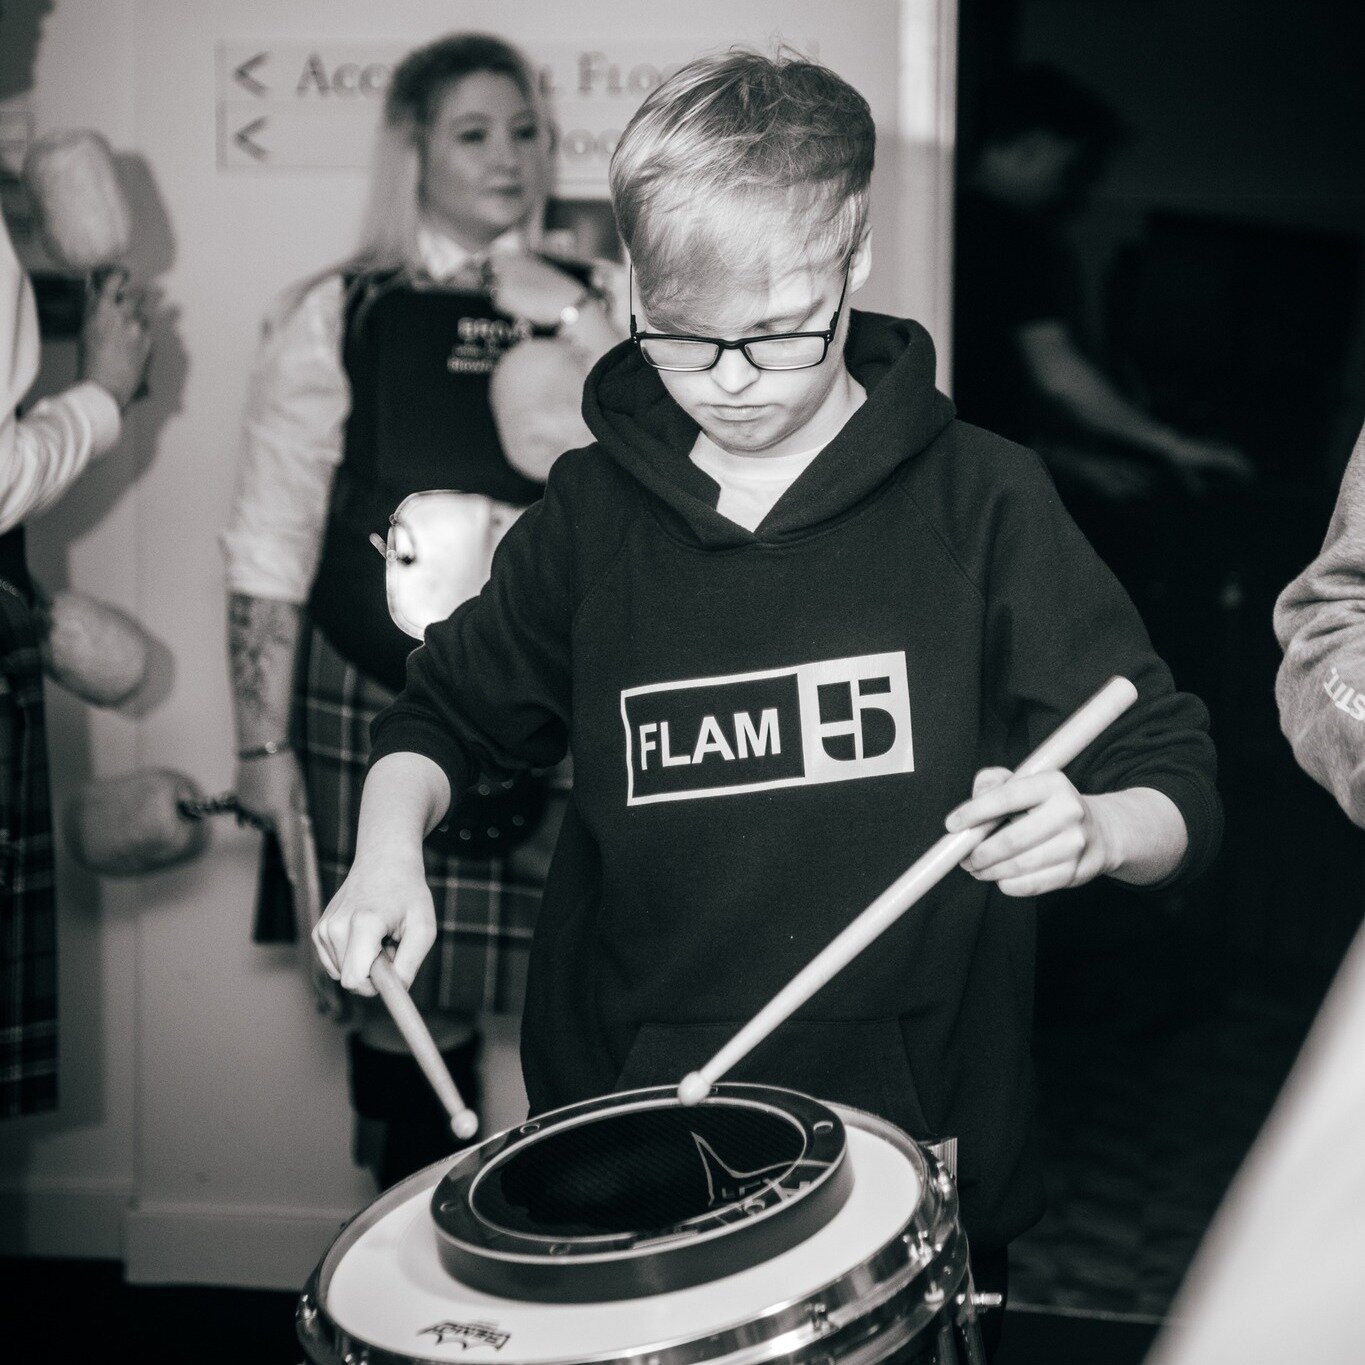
pixel 738 165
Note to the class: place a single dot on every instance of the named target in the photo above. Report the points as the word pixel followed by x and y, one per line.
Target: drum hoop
pixel 928 1245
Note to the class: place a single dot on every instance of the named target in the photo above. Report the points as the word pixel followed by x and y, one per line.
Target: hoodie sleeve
pixel 1059 626
pixel 1320 623
pixel 489 689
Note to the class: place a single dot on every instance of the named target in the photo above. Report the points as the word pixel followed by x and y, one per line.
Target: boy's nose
pixel 733 372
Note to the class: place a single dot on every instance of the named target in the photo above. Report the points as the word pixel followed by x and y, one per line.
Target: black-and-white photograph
pixel 682 685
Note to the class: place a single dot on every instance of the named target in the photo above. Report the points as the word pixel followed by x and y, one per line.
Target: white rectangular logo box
pixel 838 720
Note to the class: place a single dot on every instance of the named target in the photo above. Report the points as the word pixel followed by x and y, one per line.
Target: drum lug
pixel 934 1296
pixel 986 1301
pixel 819 1318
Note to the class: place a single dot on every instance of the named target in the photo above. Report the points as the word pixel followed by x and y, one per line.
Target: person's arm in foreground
pixel 1320 623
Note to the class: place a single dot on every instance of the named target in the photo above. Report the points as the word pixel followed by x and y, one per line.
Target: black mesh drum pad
pixel 635 1194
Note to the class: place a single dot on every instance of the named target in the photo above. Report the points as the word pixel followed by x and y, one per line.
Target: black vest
pixel 13 565
pixel 419 360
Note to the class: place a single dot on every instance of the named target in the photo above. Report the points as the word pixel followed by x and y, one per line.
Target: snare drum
pixel 883 1278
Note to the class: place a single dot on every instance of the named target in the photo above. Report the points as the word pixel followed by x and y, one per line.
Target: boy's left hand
pixel 1053 839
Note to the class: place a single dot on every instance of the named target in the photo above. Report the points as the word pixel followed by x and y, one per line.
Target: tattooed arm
pixel 262 642
pixel 296 404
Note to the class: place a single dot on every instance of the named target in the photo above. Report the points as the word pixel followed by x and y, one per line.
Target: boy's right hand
pixel 384 896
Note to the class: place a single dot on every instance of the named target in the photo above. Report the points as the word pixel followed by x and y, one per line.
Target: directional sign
pixel 297 105
pixel 255 135
pixel 245 76
pixel 246 139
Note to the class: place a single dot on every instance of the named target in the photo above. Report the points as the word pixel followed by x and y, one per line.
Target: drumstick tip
pixel 465 1124
pixel 693 1089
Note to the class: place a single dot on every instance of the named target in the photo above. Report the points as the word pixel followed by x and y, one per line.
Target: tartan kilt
pixel 485 908
pixel 28 903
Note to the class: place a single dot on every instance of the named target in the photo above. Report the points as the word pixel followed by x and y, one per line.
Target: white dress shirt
pixel 297 403
pixel 44 451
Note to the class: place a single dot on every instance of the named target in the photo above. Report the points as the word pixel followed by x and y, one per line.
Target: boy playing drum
pixel 785 610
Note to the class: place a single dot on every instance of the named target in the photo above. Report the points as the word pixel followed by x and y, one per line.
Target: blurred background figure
pixel 1030 362
pixel 373 383
pixel 43 451
pixel 1022 363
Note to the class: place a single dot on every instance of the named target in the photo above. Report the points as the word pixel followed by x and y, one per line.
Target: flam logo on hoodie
pixel 833 721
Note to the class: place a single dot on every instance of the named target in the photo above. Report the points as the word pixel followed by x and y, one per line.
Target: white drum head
pixel 388 1290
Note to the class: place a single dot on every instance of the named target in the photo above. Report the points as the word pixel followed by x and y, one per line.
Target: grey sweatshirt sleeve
pixel 1320 623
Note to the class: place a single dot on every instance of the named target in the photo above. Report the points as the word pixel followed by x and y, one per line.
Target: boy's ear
pixel 861 265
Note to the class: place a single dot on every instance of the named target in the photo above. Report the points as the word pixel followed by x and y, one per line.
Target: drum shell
pixel 905 1303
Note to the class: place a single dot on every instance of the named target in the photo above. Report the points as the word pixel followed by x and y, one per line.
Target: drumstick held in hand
pixel 1055 752
pixel 464 1122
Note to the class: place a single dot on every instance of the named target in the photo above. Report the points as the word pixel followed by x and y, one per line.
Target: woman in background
pixel 373 382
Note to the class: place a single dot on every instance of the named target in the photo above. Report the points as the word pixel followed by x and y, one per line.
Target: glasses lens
pixel 786 353
pixel 678 355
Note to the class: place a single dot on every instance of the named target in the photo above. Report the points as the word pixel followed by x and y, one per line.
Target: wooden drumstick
pixel 464 1122
pixel 1055 752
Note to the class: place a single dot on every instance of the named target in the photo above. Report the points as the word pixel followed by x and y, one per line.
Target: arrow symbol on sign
pixel 243 139
pixel 242 75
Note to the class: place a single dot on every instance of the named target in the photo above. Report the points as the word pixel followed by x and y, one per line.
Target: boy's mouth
pixel 738 413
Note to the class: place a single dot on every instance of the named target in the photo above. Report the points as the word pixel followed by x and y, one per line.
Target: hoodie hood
pixel 637 424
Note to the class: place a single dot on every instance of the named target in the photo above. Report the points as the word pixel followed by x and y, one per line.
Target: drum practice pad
pixel 635 1194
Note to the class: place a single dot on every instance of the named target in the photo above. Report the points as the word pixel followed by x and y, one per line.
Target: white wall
pixel 201 1092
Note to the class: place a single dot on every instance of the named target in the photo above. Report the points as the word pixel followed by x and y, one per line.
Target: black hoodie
pixel 768 727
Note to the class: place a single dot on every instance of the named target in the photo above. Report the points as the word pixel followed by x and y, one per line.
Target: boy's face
pixel 748 411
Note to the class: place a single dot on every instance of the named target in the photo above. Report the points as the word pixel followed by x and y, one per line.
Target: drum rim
pixel 929 1244
pixel 799 1110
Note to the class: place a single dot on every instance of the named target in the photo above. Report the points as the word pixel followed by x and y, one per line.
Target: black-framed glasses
pixel 684 353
